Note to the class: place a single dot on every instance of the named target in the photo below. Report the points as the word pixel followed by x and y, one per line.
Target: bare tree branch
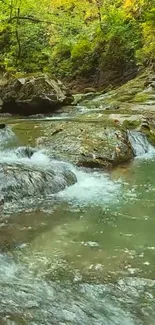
pixel 34 20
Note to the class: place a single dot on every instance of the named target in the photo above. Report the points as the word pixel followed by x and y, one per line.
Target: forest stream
pixel 81 252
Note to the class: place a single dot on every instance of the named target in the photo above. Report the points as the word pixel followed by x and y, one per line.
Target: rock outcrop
pixel 33 95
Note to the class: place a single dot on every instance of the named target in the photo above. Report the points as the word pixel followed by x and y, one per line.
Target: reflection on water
pixel 82 256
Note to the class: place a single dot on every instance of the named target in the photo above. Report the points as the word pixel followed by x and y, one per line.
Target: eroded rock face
pixel 33 95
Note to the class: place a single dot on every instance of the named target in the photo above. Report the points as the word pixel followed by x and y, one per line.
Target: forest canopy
pixel 71 38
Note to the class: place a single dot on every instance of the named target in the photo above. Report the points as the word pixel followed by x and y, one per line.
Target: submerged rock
pixel 2 126
pixel 25 152
pixel 33 95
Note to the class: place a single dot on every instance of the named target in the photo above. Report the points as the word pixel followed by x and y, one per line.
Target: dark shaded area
pixel 2 126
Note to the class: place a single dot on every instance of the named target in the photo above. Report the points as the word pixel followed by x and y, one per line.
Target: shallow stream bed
pixel 82 256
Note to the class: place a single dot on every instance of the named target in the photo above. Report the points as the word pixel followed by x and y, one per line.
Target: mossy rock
pixel 141 97
pixel 89 144
pixel 131 124
pixel 150 134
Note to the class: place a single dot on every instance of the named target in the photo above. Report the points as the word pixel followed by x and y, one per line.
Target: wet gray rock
pixel 26 172
pixel 25 152
pixel 19 180
pixel 33 95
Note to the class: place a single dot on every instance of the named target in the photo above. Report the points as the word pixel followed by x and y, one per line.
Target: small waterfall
pixel 140 144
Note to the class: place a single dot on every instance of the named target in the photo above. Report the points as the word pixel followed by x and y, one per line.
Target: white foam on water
pixel 39 158
pixel 8 268
pixel 150 154
pixel 91 187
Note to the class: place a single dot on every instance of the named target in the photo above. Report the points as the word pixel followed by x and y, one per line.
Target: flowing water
pixel 84 255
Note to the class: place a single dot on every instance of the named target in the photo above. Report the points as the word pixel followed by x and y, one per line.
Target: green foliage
pixel 59 59
pixel 82 57
pixel 76 38
pixel 146 54
pixel 81 49
pixel 120 40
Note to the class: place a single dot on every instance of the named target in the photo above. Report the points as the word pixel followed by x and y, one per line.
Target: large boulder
pixel 88 144
pixel 27 173
pixel 18 181
pixel 33 95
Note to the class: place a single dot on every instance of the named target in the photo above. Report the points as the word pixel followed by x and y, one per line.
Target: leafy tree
pixel 76 37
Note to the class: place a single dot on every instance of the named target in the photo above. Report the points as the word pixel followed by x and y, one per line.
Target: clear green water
pixel 84 256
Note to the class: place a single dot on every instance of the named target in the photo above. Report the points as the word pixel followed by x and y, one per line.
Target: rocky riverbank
pixel 93 130
pixel 96 134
